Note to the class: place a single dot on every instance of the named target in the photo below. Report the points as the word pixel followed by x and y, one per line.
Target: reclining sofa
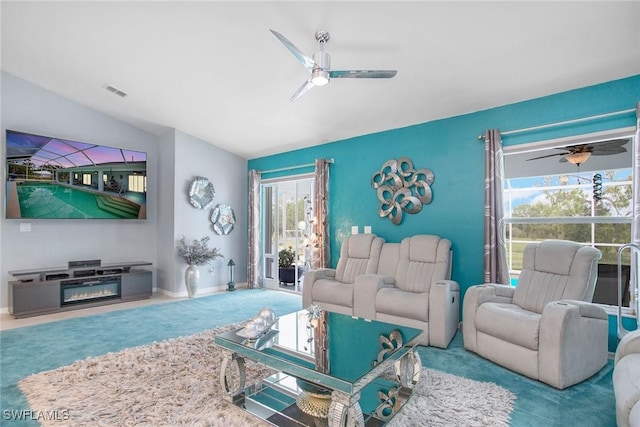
pixel 405 283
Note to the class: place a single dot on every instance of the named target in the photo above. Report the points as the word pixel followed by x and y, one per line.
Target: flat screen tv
pixel 54 178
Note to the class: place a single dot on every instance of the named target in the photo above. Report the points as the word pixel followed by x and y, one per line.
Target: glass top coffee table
pixel 335 370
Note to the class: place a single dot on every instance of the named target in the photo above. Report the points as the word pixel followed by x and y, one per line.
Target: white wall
pixel 52 243
pixel 166 196
pixel 173 159
pixel 228 173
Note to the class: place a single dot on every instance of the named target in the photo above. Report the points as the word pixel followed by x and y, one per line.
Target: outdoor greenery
pixel 286 257
pixel 288 236
pixel 574 202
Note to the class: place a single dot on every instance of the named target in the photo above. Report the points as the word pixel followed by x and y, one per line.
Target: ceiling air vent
pixel 115 90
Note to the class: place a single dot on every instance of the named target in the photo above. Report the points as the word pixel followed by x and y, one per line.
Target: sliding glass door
pixel 285 208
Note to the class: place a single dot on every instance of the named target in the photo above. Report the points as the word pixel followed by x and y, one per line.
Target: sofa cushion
pixel 626 384
pixel 536 289
pixel 359 254
pixel 509 323
pixel 553 270
pixel 423 259
pixel 554 257
pixel 326 290
pixel 397 302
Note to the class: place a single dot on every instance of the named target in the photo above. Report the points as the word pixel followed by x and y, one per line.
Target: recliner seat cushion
pixel 423 259
pixel 509 323
pixel 545 287
pixel 397 302
pixel 555 270
pixel 359 254
pixel 556 257
pixel 333 292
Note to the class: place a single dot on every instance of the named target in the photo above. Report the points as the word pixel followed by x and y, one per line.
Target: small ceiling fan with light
pixel 319 66
pixel 578 154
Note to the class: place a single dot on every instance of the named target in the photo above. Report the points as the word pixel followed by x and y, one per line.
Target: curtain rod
pixel 306 165
pixel 566 122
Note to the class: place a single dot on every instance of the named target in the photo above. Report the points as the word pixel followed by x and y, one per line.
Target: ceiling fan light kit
pixel 319 77
pixel 319 65
pixel 578 158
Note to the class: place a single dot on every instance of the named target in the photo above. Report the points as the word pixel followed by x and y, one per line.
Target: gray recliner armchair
pixel 546 327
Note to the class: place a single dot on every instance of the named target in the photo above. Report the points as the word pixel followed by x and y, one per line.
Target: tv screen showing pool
pixel 54 178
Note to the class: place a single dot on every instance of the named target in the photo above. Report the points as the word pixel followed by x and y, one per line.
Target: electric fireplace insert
pixel 87 290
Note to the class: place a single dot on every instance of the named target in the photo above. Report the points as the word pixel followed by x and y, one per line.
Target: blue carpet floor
pixel 31 349
pixel 588 404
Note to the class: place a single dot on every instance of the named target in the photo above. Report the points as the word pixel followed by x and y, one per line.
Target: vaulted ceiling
pixel 213 69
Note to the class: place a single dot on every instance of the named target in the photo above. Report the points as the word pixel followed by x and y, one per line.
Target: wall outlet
pixel 25 227
pixel 354 229
pixel 367 229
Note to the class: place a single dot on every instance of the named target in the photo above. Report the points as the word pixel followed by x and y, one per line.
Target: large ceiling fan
pixel 319 66
pixel 578 154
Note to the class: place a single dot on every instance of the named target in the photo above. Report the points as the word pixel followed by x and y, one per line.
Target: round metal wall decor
pixel 223 219
pixel 201 193
pixel 400 188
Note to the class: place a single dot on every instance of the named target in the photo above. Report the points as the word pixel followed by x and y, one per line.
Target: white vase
pixel 191 277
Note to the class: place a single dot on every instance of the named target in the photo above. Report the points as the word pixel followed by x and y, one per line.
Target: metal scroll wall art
pixel 401 188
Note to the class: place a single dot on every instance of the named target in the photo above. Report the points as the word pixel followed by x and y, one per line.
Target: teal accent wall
pixel 630 324
pixel 450 148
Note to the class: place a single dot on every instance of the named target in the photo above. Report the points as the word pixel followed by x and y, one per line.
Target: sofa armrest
pixel 444 312
pixel 634 415
pixel 310 277
pixel 573 341
pixel 365 290
pixel 473 298
pixel 629 344
pixel 450 284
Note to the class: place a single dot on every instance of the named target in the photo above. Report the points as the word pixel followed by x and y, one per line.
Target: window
pixel 548 197
pixel 138 183
pixel 86 178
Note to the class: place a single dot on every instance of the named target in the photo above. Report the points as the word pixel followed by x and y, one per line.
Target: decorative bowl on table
pixel 259 325
pixel 313 399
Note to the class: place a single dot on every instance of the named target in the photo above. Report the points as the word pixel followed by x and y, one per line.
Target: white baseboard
pixel 201 291
pixel 4 310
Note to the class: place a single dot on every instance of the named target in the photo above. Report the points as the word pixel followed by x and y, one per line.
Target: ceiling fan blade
pixel 608 145
pixel 548 155
pixel 614 146
pixel 306 86
pixel 306 61
pixel 609 151
pixel 366 74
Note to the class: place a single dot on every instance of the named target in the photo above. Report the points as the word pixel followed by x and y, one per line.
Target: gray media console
pixel 80 285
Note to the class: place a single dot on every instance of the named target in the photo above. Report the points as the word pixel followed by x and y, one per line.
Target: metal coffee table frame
pixel 345 409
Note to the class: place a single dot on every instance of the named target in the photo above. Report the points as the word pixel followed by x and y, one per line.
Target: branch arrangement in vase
pixel 198 252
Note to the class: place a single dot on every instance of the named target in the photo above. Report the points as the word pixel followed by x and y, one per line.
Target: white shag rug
pixel 176 383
